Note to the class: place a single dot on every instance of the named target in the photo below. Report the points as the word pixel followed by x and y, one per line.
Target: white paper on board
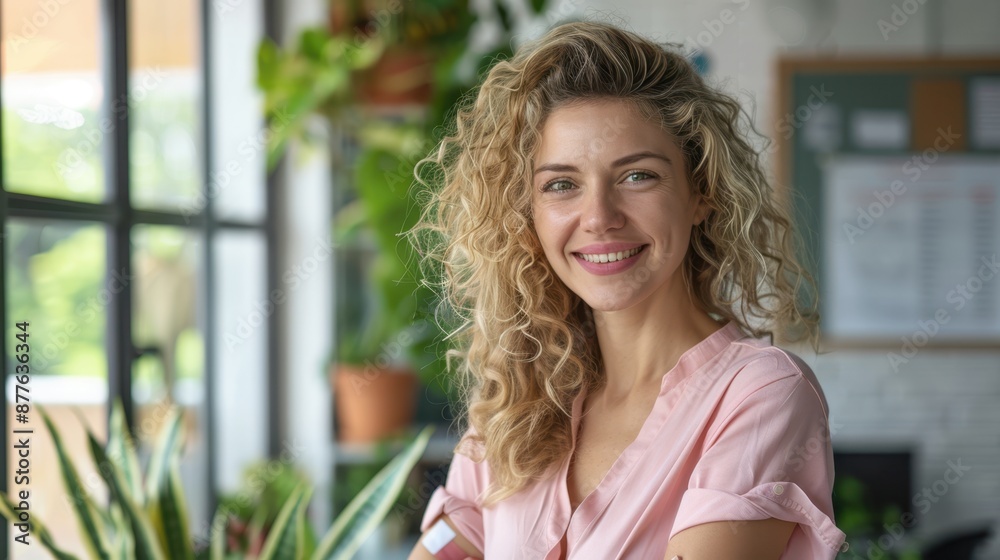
pixel 984 96
pixel 880 129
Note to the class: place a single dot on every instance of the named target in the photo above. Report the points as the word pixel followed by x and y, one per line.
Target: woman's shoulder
pixel 755 364
pixel 470 445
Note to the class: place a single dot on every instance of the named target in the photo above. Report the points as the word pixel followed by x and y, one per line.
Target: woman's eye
pixel 643 174
pixel 552 186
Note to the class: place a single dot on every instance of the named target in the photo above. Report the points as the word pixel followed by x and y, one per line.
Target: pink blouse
pixel 739 432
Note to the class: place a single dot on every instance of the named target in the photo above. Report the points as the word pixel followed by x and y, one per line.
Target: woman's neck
pixel 641 344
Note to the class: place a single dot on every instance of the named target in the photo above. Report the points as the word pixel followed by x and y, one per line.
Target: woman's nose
pixel 601 211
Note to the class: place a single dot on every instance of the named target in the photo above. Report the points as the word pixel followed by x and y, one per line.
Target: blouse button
pixel 778 489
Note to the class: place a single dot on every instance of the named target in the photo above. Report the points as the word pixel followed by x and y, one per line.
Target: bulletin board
pixel 892 169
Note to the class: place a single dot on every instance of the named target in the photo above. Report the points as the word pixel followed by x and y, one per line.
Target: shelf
pixel 439 450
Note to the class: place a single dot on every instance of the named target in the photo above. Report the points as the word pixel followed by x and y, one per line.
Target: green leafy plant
pixel 864 524
pixel 301 80
pixel 147 519
pixel 351 478
pixel 266 487
pixel 400 322
pixel 382 210
pixel 314 76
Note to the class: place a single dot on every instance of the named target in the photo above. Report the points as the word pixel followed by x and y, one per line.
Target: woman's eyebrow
pixel 639 156
pixel 617 163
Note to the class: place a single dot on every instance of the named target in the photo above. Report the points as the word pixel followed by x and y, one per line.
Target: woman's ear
pixel 701 211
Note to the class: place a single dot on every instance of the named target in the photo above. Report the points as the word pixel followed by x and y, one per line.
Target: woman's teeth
pixel 611 257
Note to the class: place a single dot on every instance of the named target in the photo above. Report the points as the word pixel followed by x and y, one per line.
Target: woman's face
pixel 608 181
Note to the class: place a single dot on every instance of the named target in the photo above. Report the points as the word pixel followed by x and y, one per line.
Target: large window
pixel 130 248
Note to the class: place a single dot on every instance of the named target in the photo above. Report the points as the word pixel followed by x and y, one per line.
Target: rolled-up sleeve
pixel 770 456
pixel 458 498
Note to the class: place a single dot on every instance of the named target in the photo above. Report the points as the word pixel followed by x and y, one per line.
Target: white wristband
pixel 438 536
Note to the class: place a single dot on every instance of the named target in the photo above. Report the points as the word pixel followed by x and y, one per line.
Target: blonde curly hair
pixel 524 344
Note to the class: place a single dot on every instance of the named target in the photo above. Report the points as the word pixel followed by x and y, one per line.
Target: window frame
pixel 120 217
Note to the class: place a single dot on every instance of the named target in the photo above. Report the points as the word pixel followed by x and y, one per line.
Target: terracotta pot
pixel 403 76
pixel 373 403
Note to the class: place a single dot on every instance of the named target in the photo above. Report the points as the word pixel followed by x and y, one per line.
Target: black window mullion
pixel 118 216
pixel 21 205
pixel 156 217
pixel 119 331
pixel 238 225
pixel 209 228
pixel 276 390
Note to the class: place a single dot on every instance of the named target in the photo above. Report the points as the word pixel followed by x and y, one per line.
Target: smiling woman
pixel 615 257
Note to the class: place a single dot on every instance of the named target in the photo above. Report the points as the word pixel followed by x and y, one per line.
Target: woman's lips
pixel 604 269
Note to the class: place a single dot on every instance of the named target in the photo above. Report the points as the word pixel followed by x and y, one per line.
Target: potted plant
pixel 375 373
pixel 254 509
pixel 376 369
pixel 147 516
pixel 319 74
pixel 389 341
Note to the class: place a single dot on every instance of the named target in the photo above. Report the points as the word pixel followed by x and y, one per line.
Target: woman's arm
pixel 421 553
pixel 733 540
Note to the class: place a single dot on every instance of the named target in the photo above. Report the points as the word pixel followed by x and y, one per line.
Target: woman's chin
pixel 607 303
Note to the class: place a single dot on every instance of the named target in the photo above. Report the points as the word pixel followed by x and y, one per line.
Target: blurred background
pixel 200 201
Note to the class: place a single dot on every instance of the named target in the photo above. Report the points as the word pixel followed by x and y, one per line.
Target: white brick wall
pixel 944 403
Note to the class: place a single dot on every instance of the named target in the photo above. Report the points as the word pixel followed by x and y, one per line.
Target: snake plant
pixel 146 517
